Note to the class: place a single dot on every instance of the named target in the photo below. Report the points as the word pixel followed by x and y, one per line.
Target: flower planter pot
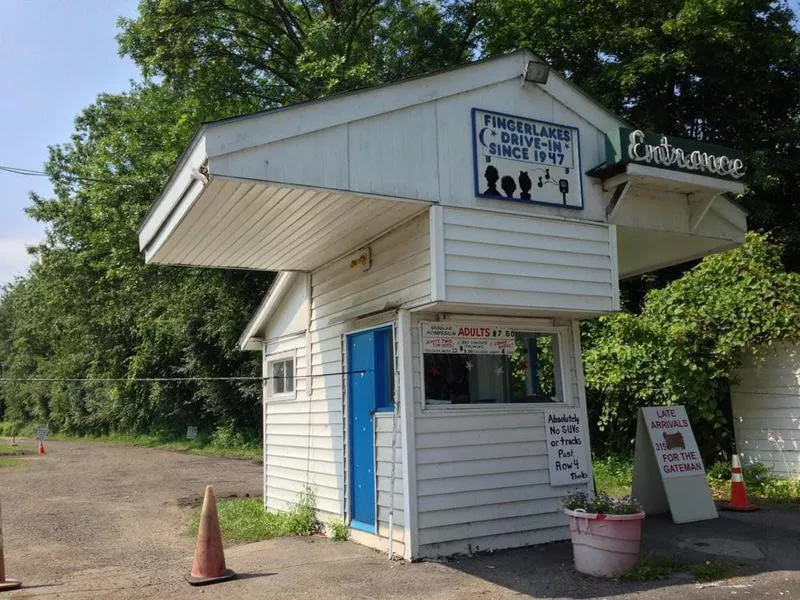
pixel 605 545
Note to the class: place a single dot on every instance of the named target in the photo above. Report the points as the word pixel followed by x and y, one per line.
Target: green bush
pixel 688 343
pixel 756 475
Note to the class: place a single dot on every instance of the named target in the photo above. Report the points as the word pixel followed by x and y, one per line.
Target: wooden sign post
pixel 668 473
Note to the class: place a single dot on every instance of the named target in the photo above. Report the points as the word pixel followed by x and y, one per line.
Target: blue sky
pixel 56 56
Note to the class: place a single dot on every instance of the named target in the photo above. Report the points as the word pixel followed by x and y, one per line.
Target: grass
pixel 338 530
pixel 221 443
pixel 614 475
pixel 245 520
pixel 203 448
pixel 713 570
pixel 11 451
pixel 652 567
pixel 9 462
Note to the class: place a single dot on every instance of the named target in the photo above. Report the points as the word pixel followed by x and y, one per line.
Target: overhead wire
pixel 156 379
pixel 70 176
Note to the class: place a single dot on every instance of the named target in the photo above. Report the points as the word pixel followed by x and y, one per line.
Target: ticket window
pixel 529 372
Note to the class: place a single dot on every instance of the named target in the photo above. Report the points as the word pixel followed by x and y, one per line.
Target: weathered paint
pixel 766 409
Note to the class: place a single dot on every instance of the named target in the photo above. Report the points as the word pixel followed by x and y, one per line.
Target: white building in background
pixel 766 409
pixel 436 242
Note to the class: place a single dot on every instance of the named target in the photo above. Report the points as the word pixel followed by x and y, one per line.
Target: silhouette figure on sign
pixel 509 185
pixel 492 176
pixel 525 185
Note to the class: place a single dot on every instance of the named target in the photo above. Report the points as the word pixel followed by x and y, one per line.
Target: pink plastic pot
pixel 605 545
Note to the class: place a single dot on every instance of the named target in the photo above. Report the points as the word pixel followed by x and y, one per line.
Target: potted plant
pixel 606 533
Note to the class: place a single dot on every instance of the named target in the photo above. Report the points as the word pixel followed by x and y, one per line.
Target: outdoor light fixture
pixel 537 71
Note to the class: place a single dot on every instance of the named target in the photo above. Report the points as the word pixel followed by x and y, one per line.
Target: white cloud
pixel 14 257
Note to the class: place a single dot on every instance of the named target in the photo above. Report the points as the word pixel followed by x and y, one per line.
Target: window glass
pixel 521 368
pixel 384 368
pixel 282 376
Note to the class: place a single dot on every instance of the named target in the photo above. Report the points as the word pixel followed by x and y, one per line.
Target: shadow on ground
pixel 760 542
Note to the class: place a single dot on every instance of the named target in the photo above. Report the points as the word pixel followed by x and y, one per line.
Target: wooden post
pixel 5 584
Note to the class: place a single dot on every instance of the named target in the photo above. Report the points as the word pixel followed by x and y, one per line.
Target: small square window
pixel 282 376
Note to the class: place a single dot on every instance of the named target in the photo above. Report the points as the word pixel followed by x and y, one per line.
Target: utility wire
pixel 70 176
pixel 162 379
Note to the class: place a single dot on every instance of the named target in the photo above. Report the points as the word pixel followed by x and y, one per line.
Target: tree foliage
pixel 724 71
pixel 277 52
pixel 720 70
pixel 688 341
pixel 90 308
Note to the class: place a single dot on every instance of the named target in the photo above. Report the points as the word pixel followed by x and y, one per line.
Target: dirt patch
pixel 84 509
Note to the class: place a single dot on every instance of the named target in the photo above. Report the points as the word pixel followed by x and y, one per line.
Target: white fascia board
pixel 175 191
pixel 703 181
pixel 248 131
pixel 283 282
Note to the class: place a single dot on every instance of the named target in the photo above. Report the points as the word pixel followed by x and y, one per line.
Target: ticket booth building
pixel 437 241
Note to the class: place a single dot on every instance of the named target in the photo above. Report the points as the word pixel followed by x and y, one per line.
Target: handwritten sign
pixel 191 432
pixel 41 433
pixel 466 338
pixel 566 447
pixel 673 441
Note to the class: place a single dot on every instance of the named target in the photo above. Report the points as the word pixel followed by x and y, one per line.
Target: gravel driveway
pixel 86 510
pixel 95 521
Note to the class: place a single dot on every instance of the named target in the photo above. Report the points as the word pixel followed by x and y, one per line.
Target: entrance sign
pixel 521 159
pixel 41 433
pixel 668 472
pixel 678 154
pixel 566 447
pixel 464 338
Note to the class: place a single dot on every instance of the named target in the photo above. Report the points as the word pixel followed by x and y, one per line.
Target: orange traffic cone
pixel 738 490
pixel 5 584
pixel 41 447
pixel 209 559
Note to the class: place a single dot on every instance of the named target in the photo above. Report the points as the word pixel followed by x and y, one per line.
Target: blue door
pixel 370 388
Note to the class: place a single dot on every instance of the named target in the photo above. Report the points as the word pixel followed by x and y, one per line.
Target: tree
pixel 276 52
pixel 688 341
pixel 91 309
pixel 717 70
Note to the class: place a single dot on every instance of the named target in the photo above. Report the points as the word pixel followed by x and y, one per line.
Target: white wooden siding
pixel 483 481
pixel 553 265
pixel 290 315
pixel 298 439
pixel 454 131
pixel 766 401
pixel 422 149
pixel 386 493
pixel 399 276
